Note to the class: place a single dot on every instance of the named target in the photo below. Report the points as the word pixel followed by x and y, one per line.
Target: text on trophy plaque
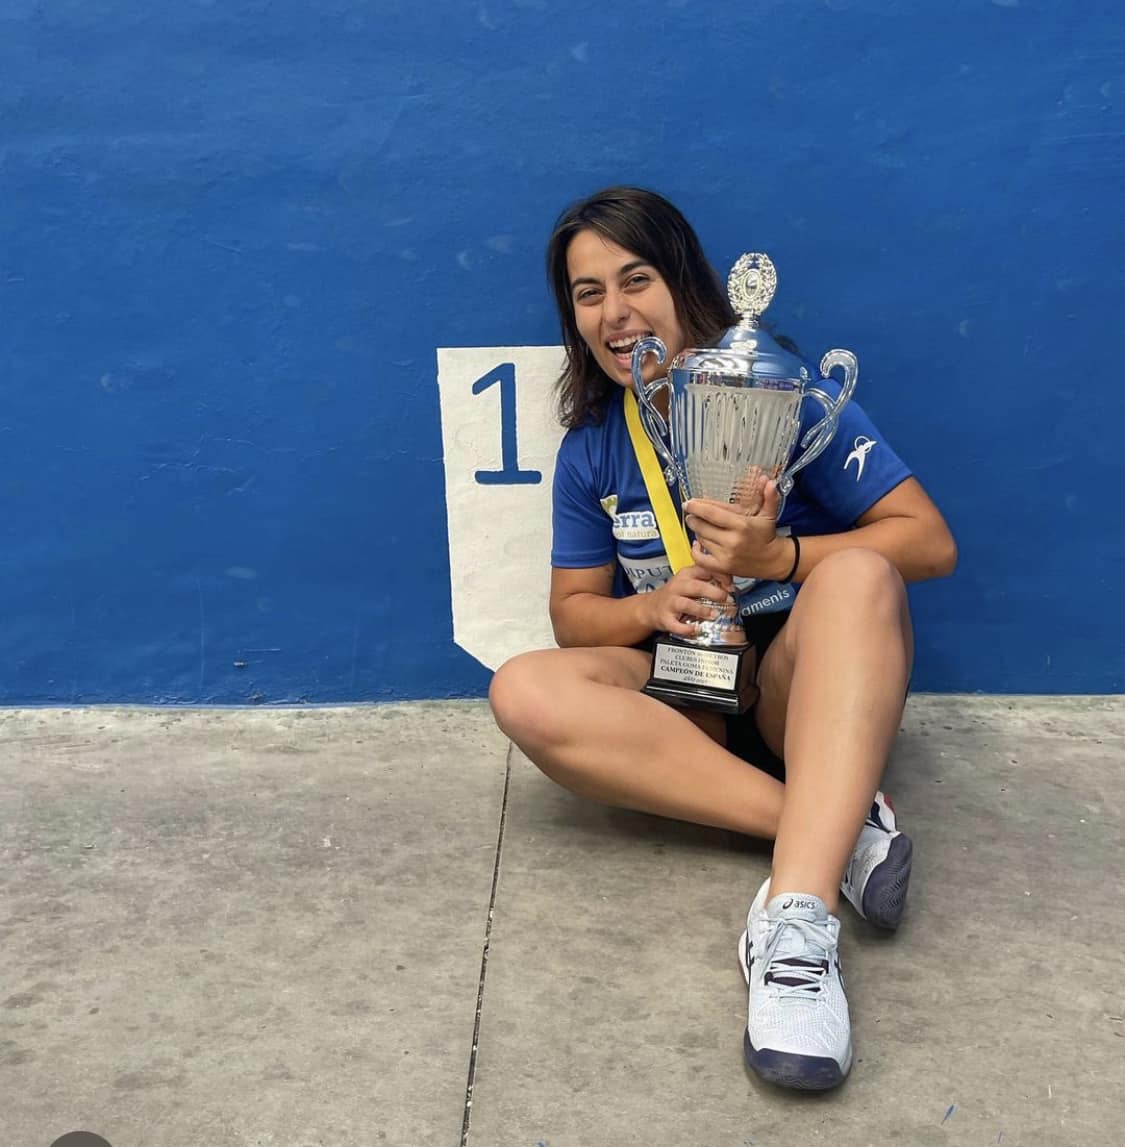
pixel 695 665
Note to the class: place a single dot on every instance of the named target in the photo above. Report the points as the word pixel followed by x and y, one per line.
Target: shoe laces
pixel 800 971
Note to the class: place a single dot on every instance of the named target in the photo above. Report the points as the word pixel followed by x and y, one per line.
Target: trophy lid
pixel 747 350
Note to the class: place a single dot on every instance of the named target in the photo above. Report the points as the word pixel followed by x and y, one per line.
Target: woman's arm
pixel 584 612
pixel 904 526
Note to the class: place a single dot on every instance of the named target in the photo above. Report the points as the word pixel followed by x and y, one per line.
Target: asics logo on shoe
pixel 863 447
pixel 794 903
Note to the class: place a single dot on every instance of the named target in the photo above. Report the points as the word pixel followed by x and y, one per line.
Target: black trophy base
pixel 717 678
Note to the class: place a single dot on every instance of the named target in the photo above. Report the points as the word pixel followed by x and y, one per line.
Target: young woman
pixel 833 669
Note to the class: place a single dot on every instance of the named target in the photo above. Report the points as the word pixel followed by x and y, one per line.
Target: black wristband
pixel 796 559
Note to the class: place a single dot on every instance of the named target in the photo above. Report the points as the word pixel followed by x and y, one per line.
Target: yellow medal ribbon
pixel 672 532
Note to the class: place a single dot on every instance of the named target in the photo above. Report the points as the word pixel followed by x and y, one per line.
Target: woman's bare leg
pixel 580 716
pixel 833 687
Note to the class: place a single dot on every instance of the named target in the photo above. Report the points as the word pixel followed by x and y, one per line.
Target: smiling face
pixel 618 299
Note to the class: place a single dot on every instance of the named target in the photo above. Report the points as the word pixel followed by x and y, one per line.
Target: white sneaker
pixel 798 1031
pixel 878 874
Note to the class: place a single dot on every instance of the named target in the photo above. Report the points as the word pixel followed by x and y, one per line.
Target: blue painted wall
pixel 233 233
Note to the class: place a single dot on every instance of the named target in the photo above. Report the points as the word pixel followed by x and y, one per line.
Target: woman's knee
pixel 543 700
pixel 515 694
pixel 860 580
pixel 527 696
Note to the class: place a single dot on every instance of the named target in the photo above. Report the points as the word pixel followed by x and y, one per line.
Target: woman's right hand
pixel 679 605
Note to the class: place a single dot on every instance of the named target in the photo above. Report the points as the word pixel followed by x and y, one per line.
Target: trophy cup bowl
pixel 734 417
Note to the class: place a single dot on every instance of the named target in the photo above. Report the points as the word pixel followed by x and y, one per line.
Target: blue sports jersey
pixel 601 511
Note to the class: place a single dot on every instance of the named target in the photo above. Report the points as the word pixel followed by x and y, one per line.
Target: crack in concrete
pixel 471 1082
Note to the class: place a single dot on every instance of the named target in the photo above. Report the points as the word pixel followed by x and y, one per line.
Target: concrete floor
pixel 332 927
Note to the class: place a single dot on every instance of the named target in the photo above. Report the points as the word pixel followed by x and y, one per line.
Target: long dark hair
pixel 647 225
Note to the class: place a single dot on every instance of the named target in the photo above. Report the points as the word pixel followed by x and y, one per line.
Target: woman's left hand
pixel 740 540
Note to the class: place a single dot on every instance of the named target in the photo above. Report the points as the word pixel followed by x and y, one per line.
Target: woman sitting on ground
pixel 803 766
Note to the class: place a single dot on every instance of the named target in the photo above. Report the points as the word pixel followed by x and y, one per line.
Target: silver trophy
pixel 733 418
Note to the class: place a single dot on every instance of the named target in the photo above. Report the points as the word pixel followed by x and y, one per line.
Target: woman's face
pixel 618 299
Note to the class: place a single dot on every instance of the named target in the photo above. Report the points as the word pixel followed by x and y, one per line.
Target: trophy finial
pixel 751 284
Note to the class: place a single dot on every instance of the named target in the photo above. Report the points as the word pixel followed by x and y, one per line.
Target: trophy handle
pixel 654 423
pixel 817 437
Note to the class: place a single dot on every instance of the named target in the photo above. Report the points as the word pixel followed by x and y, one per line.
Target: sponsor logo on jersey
pixel 863 447
pixel 762 596
pixel 778 598
pixel 647 574
pixel 636 526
